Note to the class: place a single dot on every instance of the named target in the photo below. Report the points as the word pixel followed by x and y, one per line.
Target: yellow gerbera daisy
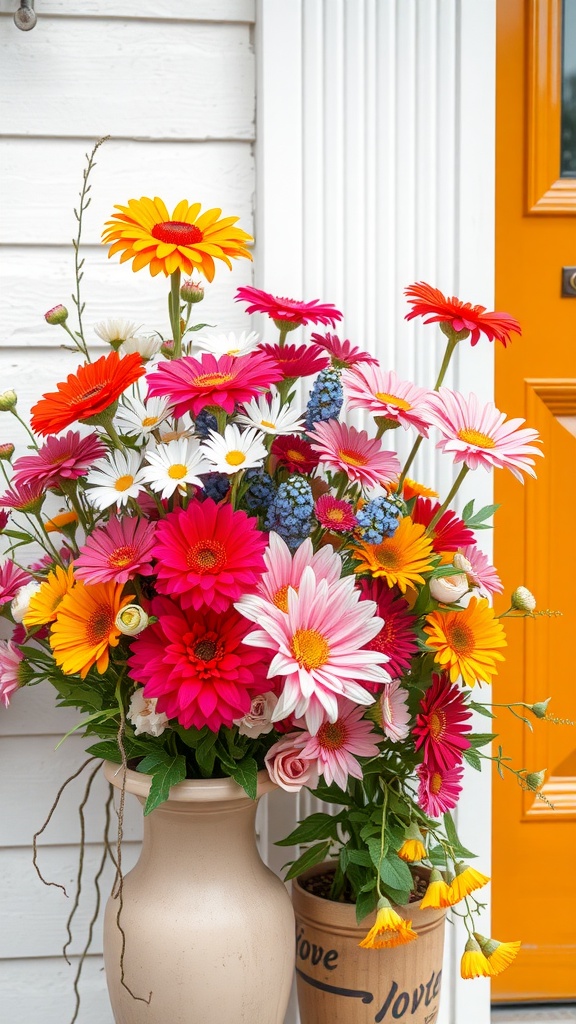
pixel 465 642
pixel 186 240
pixel 437 894
pixel 498 954
pixel 45 602
pixel 389 929
pixel 400 559
pixel 85 629
pixel 466 881
pixel 474 964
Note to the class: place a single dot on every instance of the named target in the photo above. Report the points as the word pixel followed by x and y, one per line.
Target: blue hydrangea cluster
pixel 204 422
pixel 290 513
pixel 326 397
pixel 378 519
pixel 260 494
pixel 216 485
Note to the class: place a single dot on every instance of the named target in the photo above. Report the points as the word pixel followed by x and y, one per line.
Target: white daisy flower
pixel 147 345
pixel 115 332
pixel 135 417
pixel 229 344
pixel 269 416
pixel 114 480
pixel 174 465
pixel 236 450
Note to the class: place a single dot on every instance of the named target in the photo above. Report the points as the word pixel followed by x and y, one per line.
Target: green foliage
pixel 166 771
pixel 477 520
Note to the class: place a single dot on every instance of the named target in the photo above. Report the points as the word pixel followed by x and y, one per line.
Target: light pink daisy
pixel 352 452
pixel 284 570
pixel 191 384
pixel 117 552
pixel 480 571
pixel 343 353
pixel 318 647
pixel 480 435
pixel 335 514
pixel 335 744
pixel 10 660
pixel 439 790
pixel 59 458
pixel 395 714
pixel 382 393
pixel 11 579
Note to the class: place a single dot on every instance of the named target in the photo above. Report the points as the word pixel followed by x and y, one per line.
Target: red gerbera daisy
pixel 288 311
pixel 191 384
pixel 334 514
pixel 87 393
pixel 297 360
pixel 66 458
pixel 442 723
pixel 4 517
pixel 450 532
pixel 295 453
pixel 117 551
pixel 439 790
pixel 397 638
pixel 197 667
pixel 463 317
pixel 343 353
pixel 208 554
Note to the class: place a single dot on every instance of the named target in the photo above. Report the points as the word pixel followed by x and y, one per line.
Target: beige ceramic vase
pixel 340 983
pixel 209 929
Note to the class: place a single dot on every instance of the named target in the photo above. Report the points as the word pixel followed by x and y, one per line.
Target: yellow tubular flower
pixel 59 522
pixel 412 848
pixel 498 954
pixel 389 929
pixel 474 964
pixel 437 894
pixel 466 881
pixel 45 602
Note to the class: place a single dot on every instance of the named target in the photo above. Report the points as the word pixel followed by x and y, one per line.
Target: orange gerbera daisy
pixel 400 559
pixel 85 628
pixel 413 489
pixel 186 240
pixel 87 393
pixel 45 602
pixel 466 642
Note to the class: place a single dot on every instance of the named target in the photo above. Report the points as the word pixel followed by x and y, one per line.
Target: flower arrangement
pixel 232 581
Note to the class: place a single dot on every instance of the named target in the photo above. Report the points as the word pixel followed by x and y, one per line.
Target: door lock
pixel 569 282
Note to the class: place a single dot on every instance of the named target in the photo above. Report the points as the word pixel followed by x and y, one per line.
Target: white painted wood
pixel 39 990
pixel 150 10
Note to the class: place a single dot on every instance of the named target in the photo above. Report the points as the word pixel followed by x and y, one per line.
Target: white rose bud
pixel 131 620
pixel 523 600
pixel 461 562
pixel 258 721
pixel 21 602
pixel 144 717
pixel 449 589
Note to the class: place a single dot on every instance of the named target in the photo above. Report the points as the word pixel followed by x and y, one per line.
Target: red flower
pixel 462 316
pixel 191 384
pixel 343 353
pixel 441 724
pixel 450 532
pixel 288 311
pixel 295 453
pixel 297 360
pixel 334 514
pixel 87 393
pixel 397 638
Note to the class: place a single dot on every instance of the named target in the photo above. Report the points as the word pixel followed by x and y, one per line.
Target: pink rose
pixel 286 766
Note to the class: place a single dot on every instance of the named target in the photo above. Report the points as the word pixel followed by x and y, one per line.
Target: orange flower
pixel 45 602
pixel 85 627
pixel 87 393
pixel 187 240
pixel 389 929
pixel 59 522
pixel 465 642
pixel 462 317
pixel 412 489
pixel 400 559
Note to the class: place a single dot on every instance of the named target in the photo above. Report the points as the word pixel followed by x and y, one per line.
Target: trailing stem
pixel 85 200
pixel 76 903
pixel 47 822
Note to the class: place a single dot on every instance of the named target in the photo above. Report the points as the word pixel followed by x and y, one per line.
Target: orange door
pixel 534 846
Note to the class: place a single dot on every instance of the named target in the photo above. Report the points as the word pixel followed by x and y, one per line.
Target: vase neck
pixel 218 830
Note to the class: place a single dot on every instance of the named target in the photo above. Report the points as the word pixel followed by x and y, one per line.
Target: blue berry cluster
pixel 290 513
pixel 260 494
pixel 326 397
pixel 216 485
pixel 204 422
pixel 378 519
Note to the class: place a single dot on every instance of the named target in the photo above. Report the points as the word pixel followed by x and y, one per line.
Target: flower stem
pixel 452 342
pixel 85 200
pixel 174 313
pixel 453 490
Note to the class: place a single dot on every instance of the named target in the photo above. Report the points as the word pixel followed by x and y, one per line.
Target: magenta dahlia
pixel 192 384
pixel 287 311
pixel 118 551
pixel 441 724
pixel 297 360
pixel 59 458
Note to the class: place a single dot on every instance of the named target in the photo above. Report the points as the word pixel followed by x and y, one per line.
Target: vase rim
pixel 190 790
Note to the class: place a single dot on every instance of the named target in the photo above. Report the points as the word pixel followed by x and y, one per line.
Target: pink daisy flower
pixel 343 353
pixel 195 664
pixel 296 360
pixel 318 648
pixel 11 579
pixel 4 517
pixel 395 714
pixel 441 724
pixel 439 791
pixel 59 458
pixel 284 570
pixel 335 514
pixel 480 435
pixel 287 311
pixel 117 552
pixel 191 384
pixel 24 497
pixel 208 554
pixel 382 393
pixel 397 639
pixel 351 451
pixel 450 532
pixel 336 743
pixel 295 453
pixel 10 660
pixel 480 571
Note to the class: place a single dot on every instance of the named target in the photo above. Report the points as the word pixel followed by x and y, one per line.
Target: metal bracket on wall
pixel 569 282
pixel 25 17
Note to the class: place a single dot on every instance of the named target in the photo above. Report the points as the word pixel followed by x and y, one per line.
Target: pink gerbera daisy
pixel 382 393
pixel 195 664
pixel 335 514
pixel 287 311
pixel 394 709
pixel 284 570
pixel 24 497
pixel 463 317
pixel 295 453
pixel 11 579
pixel 319 647
pixel 442 723
pixel 191 384
pixel 297 360
pixel 117 552
pixel 59 458
pixel 343 353
pixel 439 790
pixel 397 638
pixel 480 571
pixel 480 435
pixel 352 452
pixel 335 744
pixel 10 661
pixel 208 554
pixel 449 533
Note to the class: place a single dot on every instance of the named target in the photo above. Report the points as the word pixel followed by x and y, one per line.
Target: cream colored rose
pixel 258 721
pixel 131 620
pixel 449 589
pixel 144 717
pixel 21 602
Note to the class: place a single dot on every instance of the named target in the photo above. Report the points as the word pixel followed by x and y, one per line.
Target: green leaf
pixel 472 758
pixel 437 857
pixel 480 739
pixel 246 775
pixel 316 826
pixel 365 904
pixel 107 750
pixel 369 831
pixel 167 770
pixel 468 510
pixel 313 855
pixel 452 836
pixel 98 716
pixel 482 709
pixel 360 857
pixel 206 753
pixel 398 896
pixel 395 873
pixel 477 520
